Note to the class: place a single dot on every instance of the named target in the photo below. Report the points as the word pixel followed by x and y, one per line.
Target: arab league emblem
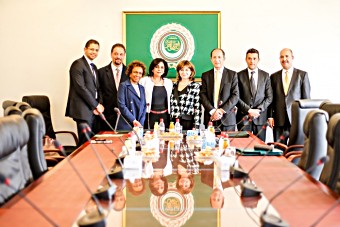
pixel 172 42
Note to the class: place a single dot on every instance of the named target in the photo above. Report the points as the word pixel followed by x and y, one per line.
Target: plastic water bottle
pixel 161 126
pixel 177 126
pixel 156 129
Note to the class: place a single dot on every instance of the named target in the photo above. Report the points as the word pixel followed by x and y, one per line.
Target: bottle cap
pixel 161 120
pixel 177 119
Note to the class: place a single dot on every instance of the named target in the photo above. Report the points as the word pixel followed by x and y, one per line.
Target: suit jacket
pixel 299 88
pixel 131 105
pixel 82 93
pixel 261 100
pixel 109 91
pixel 228 95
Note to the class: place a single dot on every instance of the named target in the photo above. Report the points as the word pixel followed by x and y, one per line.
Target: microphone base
pixel 106 192
pixel 269 220
pixel 238 172
pixel 116 173
pixel 93 219
pixel 250 190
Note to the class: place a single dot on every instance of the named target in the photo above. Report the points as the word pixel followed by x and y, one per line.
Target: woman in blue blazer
pixel 131 97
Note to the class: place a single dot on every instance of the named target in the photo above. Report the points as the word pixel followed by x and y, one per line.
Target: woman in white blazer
pixel 157 93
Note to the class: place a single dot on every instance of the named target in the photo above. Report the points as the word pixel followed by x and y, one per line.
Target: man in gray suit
pixel 219 93
pixel 83 104
pixel 255 96
pixel 110 77
pixel 288 84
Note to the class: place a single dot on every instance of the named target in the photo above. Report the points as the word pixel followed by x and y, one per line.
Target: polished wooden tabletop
pixel 181 198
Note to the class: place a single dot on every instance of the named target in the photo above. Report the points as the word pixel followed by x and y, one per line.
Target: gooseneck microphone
pixel 7 182
pixel 97 218
pixel 271 220
pixel 108 190
pixel 238 172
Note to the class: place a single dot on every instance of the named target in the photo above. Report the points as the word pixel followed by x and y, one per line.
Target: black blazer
pixel 228 96
pixel 82 93
pixel 261 100
pixel 109 91
pixel 299 88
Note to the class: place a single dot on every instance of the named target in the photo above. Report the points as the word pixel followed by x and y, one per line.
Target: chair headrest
pixel 41 102
pixel 331 108
pixel 23 106
pixel 8 103
pixel 333 132
pixel 313 114
pixel 37 117
pixel 14 133
pixel 310 103
pixel 11 110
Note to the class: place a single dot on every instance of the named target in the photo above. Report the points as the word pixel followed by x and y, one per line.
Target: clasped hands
pixel 217 115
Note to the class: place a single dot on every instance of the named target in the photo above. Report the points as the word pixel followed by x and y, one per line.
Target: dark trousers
pixel 84 135
pixel 278 131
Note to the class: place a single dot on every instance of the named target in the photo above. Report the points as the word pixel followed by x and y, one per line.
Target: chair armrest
pixel 51 162
pixel 278 145
pixel 53 151
pixel 69 132
pixel 293 148
pixel 291 156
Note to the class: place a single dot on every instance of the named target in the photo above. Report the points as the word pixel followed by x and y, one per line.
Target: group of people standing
pixel 145 98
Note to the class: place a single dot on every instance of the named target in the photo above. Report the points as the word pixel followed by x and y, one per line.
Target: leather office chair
pixel 22 106
pixel 330 173
pixel 8 103
pixel 315 145
pixel 14 162
pixel 12 110
pixel 300 108
pixel 36 155
pixel 42 103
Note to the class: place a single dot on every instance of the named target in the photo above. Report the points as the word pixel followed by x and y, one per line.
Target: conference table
pixel 61 195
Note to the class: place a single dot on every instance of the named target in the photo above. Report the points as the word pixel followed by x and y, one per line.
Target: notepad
pixel 242 134
pixel 252 152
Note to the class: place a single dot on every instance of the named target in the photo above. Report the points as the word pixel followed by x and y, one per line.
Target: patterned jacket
pixel 187 104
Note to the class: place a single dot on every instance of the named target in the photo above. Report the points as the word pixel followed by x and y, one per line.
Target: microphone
pixel 238 172
pixel 98 218
pixel 245 118
pixel 134 131
pixel 271 220
pixel 7 182
pixel 108 190
pixel 336 203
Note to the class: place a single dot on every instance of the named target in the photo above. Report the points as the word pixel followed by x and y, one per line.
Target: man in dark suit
pixel 288 84
pixel 254 99
pixel 219 93
pixel 110 77
pixel 83 104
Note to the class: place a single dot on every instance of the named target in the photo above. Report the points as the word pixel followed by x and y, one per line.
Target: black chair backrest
pixel 300 108
pixel 330 172
pixel 42 103
pixel 14 163
pixel 315 145
pixel 35 148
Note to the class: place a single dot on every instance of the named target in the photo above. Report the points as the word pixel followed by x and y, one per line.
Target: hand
pixel 271 122
pixel 99 109
pixel 254 113
pixel 137 124
pixel 217 115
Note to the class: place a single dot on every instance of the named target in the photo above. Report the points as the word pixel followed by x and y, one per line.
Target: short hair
pixel 217 49
pixel 118 45
pixel 181 65
pixel 91 41
pixel 185 190
pixel 133 64
pixel 253 51
pixel 132 191
pixel 290 50
pixel 155 62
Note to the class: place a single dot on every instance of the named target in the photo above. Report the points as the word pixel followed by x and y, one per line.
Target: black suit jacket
pixel 261 100
pixel 228 96
pixel 82 93
pixel 109 91
pixel 299 88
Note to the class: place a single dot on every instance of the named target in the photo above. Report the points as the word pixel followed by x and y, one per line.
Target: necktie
pixel 93 68
pixel 217 83
pixel 286 83
pixel 117 78
pixel 252 83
